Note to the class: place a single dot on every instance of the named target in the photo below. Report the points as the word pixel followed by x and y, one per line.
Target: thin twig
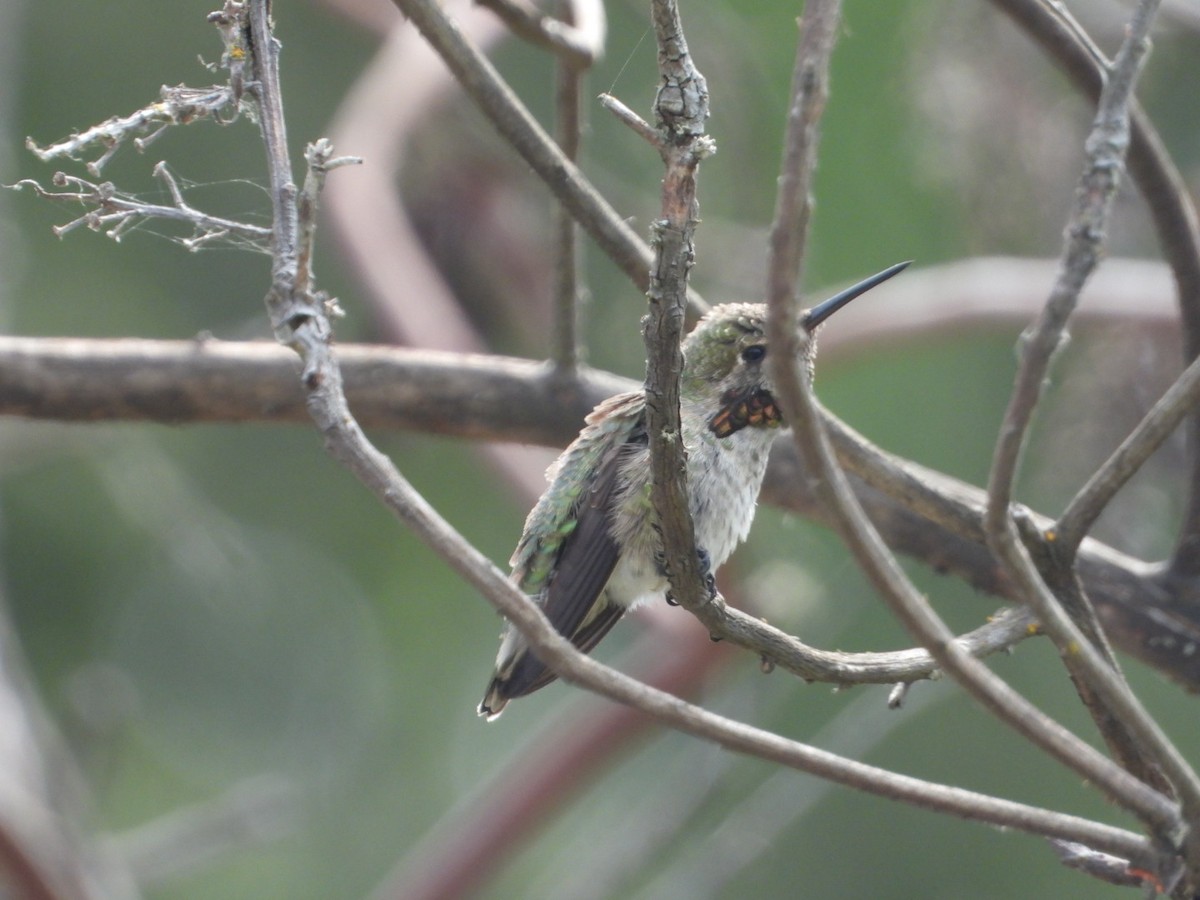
pixel 175 106
pixel 568 97
pixel 1106 148
pixel 1157 425
pixel 633 121
pixel 576 38
pixel 115 213
pixel 496 100
pixel 1104 866
pixel 793 202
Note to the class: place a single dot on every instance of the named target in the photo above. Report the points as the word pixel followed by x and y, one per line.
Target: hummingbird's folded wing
pixel 588 555
pixel 585 488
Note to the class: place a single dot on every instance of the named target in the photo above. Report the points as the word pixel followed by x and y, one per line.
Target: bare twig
pixel 577 37
pixel 633 121
pixel 319 160
pixel 1157 425
pixel 496 100
pixel 1105 867
pixel 178 105
pixel 115 213
pixel 793 204
pixel 1106 147
pixel 1094 661
pixel 568 91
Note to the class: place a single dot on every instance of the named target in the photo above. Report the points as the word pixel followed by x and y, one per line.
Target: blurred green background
pixel 210 609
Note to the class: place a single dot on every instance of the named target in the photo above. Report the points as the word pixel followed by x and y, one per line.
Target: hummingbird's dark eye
pixel 754 353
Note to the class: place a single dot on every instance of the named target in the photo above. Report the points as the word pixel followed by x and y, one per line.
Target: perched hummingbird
pixel 590 549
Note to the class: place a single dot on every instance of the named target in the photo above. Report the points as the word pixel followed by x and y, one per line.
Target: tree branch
pixel 681 114
pixel 577 38
pixel 1158 424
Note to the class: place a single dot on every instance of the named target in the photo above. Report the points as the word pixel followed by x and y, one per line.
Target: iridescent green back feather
pixel 572 477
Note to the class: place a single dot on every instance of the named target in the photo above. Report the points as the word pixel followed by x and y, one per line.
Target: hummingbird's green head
pixel 725 366
pixel 728 347
pixel 725 358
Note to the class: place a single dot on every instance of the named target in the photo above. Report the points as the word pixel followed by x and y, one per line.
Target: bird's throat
pixel 755 408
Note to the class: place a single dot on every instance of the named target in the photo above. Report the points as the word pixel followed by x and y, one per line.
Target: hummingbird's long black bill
pixel 827 308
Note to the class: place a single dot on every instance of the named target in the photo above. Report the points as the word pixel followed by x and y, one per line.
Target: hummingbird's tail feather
pixel 528 673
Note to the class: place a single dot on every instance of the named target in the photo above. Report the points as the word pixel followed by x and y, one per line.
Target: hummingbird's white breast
pixel 724 479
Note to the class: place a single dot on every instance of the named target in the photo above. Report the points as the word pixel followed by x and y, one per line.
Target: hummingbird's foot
pixel 706 572
pixel 710 583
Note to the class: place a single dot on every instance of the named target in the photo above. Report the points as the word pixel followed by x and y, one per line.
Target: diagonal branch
pixel 1073 625
pixel 1156 426
pixel 1106 147
pixel 793 210
pixel 577 38
pixel 485 87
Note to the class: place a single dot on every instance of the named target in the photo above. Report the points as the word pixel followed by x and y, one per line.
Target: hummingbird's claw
pixel 710 581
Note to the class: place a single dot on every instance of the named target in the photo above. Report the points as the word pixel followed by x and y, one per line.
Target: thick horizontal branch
pixel 207 380
pixel 216 381
pixel 921 513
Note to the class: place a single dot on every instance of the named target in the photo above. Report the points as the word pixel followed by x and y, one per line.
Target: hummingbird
pixel 591 549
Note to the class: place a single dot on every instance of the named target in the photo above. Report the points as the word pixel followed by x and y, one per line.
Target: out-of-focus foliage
pixel 203 604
